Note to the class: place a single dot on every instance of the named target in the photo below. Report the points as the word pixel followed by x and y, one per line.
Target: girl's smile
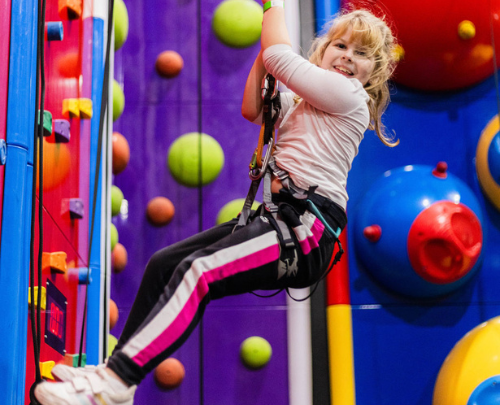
pixel 348 58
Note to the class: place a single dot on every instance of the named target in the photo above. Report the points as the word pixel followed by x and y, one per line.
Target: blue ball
pixel 494 158
pixel 393 202
pixel 486 393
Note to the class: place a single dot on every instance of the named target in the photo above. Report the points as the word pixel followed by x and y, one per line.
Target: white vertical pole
pixel 292 20
pixel 298 313
pixel 299 349
pixel 100 11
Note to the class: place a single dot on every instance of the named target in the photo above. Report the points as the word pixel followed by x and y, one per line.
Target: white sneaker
pixel 92 389
pixel 62 372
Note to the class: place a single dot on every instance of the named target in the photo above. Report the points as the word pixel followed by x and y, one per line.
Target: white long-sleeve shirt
pixel 318 137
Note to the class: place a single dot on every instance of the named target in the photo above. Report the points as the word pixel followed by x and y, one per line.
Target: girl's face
pixel 348 58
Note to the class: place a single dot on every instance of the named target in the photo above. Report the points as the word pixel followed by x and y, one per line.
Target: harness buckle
pixel 269 83
pixel 288 265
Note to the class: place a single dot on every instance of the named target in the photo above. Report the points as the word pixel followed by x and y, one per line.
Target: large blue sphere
pixel 494 158
pixel 486 393
pixel 393 203
pixel 488 162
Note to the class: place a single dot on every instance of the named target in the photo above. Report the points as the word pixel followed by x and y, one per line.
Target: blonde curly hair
pixel 376 38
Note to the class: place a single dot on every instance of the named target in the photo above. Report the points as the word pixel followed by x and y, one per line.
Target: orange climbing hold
pixel 169 374
pixel 160 211
pixel 70 9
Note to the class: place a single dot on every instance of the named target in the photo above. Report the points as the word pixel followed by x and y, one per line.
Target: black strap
pixel 247 206
pixel 271 109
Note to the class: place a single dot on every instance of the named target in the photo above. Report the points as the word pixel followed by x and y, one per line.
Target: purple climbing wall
pixel 157 111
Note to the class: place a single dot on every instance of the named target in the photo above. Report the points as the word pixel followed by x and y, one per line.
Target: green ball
pixel 183 159
pixel 112 342
pixel 118 100
pixel 116 200
pixel 238 23
pixel 255 352
pixel 113 236
pixel 120 22
pixel 232 209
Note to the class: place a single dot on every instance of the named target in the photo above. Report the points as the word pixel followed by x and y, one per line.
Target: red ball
pixel 436 56
pixel 169 64
pixel 444 242
pixel 160 211
pixel 119 258
pixel 113 314
pixel 169 374
pixel 121 153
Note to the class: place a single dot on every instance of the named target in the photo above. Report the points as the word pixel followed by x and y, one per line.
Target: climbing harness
pixel 281 211
pixel 271 110
pixel 272 103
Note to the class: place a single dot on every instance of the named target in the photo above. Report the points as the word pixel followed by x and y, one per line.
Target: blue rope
pixel 317 214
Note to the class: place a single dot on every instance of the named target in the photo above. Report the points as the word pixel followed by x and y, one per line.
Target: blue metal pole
pixel 325 10
pixel 14 250
pixel 94 321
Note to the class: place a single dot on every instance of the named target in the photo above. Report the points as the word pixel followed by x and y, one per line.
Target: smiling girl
pixel 336 96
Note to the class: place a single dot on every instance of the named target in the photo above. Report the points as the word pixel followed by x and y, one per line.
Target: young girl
pixel 338 94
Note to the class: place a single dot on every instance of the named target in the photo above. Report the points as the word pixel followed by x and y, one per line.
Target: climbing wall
pixel 204 97
pixel 64 196
pixel 423 217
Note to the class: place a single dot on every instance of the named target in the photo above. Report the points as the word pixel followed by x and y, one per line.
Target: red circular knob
pixel 444 242
pixel 372 233
pixel 440 170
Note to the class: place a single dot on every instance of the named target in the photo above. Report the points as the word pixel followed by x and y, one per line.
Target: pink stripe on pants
pixel 175 330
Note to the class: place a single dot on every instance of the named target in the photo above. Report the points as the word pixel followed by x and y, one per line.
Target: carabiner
pixel 257 172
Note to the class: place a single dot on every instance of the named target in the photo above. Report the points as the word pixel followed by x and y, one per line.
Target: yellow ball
pixel 398 53
pixel 118 100
pixel 195 155
pixel 473 360
pixel 113 236
pixel 238 23
pixel 466 30
pixel 112 342
pixel 232 209
pixel 255 352
pixel 120 22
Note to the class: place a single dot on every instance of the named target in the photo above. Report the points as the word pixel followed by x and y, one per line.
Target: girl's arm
pixel 274 28
pixel 273 32
pixel 252 101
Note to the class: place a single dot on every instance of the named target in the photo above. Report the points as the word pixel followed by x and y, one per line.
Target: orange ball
pixel 121 153
pixel 160 211
pixel 70 65
pixel 56 165
pixel 119 258
pixel 169 64
pixel 169 373
pixel 113 314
